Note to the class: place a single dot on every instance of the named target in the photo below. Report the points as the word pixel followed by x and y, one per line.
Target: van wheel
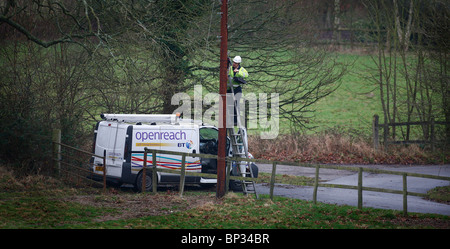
pixel 148 183
pixel 236 186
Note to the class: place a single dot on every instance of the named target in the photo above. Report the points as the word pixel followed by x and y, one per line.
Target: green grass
pixel 440 194
pixel 38 202
pixel 354 103
pixel 286 179
pixel 244 213
pixel 20 210
pixel 351 106
pixel 44 212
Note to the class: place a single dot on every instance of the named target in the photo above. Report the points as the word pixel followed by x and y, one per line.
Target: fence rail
pixel 74 159
pixel 376 130
pixel 359 187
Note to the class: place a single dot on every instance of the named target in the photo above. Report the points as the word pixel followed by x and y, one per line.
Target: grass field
pixel 197 210
pixel 38 202
pixel 350 107
pixel 354 103
pixel 343 126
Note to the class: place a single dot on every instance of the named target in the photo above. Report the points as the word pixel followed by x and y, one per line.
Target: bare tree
pixel 276 39
pixel 68 21
pixel 411 72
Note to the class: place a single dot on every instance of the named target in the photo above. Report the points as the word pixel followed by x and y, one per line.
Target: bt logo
pixel 188 144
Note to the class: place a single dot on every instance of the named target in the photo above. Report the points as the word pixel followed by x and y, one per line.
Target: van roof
pixel 146 118
pixel 151 119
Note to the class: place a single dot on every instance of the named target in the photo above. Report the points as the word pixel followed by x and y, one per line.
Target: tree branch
pixel 45 44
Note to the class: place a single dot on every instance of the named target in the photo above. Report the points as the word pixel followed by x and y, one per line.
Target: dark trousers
pixel 236 104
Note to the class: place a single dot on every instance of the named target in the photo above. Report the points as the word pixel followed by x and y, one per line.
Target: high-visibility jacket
pixel 238 78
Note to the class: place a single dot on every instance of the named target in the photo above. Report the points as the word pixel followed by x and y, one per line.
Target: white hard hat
pixel 237 59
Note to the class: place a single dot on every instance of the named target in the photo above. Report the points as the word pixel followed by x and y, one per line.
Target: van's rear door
pixel 116 148
pixel 101 144
pixel 110 138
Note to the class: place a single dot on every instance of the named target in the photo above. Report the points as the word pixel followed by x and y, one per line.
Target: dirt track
pixel 134 205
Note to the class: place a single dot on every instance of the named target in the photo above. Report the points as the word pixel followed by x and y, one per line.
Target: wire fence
pixel 73 164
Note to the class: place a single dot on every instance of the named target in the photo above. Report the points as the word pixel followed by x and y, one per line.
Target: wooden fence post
pixel 360 197
pixel 183 174
pixel 385 134
pixel 375 131
pixel 405 196
pixel 272 179
pixel 104 171
pixel 432 136
pixel 56 139
pixel 227 179
pixel 154 173
pixel 316 184
pixel 144 173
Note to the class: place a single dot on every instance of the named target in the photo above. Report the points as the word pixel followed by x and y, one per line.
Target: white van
pixel 124 137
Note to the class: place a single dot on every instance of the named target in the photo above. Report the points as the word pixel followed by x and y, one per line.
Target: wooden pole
pixel 272 179
pixel 221 167
pixel 432 136
pixel 104 171
pixel 375 130
pixel 316 184
pixel 405 195
pixel 360 197
pixel 144 172
pixel 56 138
pixel 183 174
pixel 386 134
pixel 154 173
pixel 228 170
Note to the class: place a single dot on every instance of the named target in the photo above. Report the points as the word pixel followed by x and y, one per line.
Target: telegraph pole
pixel 221 168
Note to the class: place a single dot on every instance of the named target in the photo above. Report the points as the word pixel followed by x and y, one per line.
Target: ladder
pixel 239 144
pixel 147 118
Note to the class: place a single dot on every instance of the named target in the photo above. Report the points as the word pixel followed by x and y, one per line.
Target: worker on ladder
pixel 237 75
pixel 239 144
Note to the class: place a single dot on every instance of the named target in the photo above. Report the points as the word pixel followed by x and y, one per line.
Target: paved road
pixel 370 199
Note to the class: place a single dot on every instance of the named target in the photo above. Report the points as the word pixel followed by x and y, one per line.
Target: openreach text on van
pixel 158 135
